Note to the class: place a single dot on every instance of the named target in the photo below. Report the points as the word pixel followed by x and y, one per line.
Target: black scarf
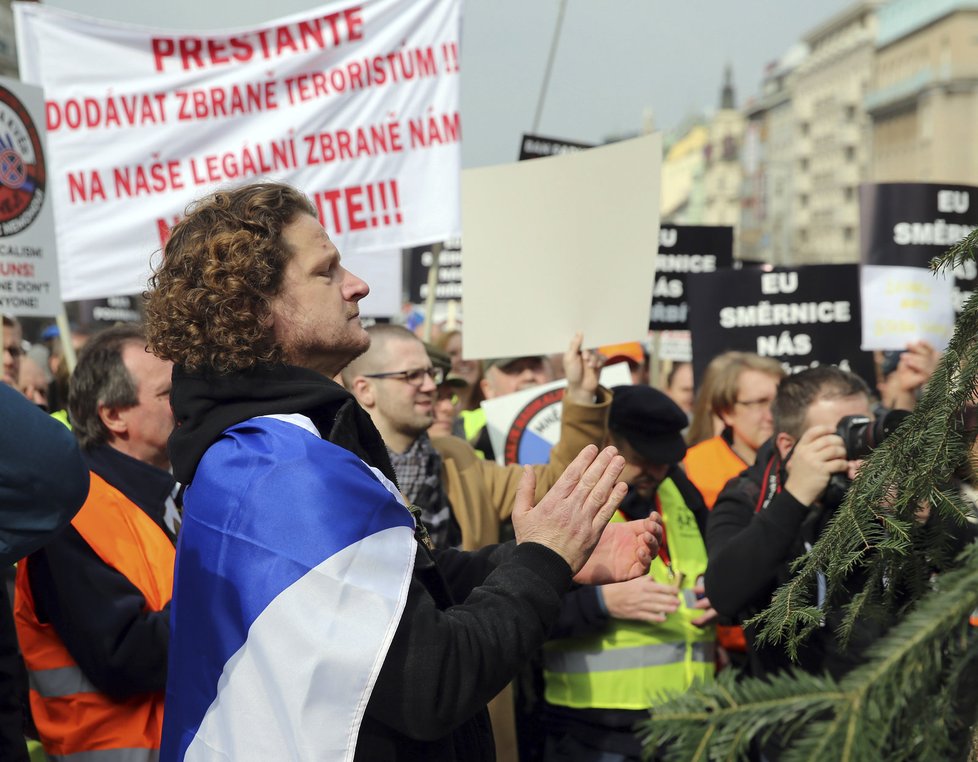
pixel 206 404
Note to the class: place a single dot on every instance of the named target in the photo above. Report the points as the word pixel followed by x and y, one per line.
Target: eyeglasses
pixel 756 404
pixel 413 377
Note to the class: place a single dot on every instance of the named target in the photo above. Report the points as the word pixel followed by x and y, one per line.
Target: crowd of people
pixel 273 533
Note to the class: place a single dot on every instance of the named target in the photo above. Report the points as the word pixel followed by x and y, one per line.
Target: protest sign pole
pixel 429 305
pixel 64 331
pixel 655 361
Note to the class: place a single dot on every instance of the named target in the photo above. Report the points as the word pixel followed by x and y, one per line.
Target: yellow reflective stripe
pixel 109 755
pixel 613 660
pixel 61 681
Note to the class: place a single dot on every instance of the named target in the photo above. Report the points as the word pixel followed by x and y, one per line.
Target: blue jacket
pixel 43 480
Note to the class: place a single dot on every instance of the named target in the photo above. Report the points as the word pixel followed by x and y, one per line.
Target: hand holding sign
pixel 582 368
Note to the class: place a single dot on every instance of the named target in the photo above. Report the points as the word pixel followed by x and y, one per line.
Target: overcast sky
pixel 615 60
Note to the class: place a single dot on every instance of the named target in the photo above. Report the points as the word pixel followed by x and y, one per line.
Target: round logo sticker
pixel 535 430
pixel 22 169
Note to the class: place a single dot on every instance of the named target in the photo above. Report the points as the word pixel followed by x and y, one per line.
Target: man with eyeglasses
pixel 462 497
pixel 12 350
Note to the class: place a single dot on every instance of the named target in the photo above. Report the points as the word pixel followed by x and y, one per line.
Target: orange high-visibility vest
pixel 710 465
pixel 71 715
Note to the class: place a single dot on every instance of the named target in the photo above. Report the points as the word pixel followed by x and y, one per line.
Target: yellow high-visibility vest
pixel 634 665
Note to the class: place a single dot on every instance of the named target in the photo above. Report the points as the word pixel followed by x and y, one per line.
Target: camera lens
pixel 856 434
pixel 862 436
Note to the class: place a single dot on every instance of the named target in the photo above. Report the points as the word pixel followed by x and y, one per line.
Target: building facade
pixel 723 173
pixel 832 136
pixel 769 165
pixel 924 100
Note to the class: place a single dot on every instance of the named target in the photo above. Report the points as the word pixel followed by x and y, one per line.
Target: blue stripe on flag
pixel 269 502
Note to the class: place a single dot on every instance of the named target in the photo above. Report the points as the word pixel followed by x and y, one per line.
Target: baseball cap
pixel 502 362
pixel 630 350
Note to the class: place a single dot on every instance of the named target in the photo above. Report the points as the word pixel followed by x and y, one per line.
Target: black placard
pixel 908 224
pixel 685 250
pixel 417 263
pixel 538 147
pixel 803 316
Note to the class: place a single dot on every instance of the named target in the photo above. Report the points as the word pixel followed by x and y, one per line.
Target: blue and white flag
pixel 293 568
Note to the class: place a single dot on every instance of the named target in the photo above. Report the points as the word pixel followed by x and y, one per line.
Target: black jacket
pixel 755 530
pixel 100 615
pixel 471 619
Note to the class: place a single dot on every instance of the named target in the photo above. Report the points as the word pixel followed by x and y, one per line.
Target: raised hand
pixel 570 518
pixel 583 369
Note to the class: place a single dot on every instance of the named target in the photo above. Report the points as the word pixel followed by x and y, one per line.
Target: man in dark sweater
pixel 311 619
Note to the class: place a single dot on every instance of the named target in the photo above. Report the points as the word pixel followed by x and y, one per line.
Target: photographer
pixel 775 511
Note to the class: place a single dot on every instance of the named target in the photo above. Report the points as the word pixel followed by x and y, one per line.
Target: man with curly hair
pixel 310 618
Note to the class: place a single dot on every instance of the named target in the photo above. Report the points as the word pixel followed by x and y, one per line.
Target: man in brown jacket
pixel 462 497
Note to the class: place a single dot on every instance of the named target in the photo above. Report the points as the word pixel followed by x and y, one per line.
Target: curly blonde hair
pixel 207 307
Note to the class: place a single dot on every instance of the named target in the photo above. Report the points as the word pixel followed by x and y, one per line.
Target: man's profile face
pixel 524 373
pixel 12 351
pixel 149 422
pixel 315 315
pixel 405 408
pixel 750 417
pixel 640 474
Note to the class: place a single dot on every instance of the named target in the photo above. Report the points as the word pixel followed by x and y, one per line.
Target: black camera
pixel 862 435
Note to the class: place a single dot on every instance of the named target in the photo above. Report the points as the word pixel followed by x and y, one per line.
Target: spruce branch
pixel 875 527
pixel 900 703
pixel 883 709
pixel 963 251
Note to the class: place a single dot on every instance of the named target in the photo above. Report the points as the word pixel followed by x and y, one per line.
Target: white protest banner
pixel 28 255
pixel 382 272
pixel 675 345
pixel 904 304
pixel 558 245
pixel 524 426
pixel 355 104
